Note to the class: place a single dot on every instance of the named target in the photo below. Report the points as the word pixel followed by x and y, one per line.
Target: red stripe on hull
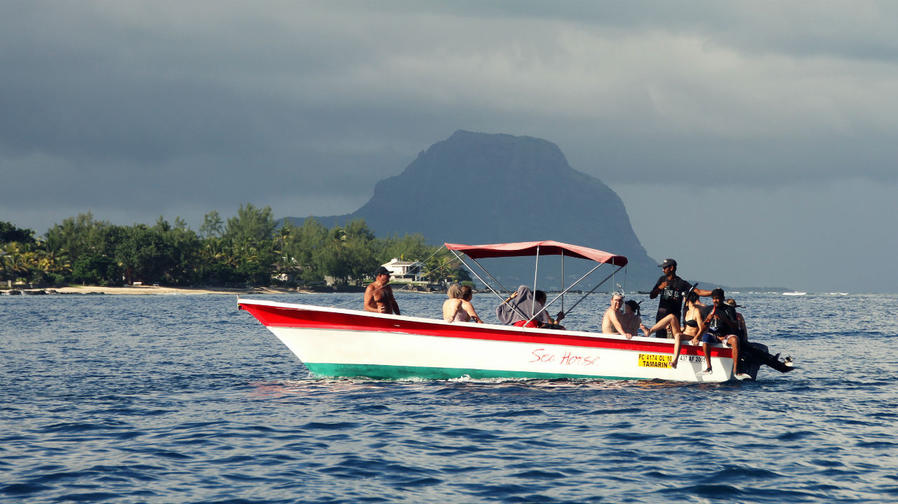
pixel 279 316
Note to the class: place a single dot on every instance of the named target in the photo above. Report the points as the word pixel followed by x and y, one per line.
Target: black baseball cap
pixel 668 262
pixel 381 271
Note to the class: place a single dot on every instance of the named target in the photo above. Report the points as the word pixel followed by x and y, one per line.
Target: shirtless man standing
pixel 611 321
pixel 379 295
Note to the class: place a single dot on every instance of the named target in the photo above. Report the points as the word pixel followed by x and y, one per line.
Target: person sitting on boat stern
pixel 612 320
pixel 379 295
pixel 740 323
pixel 721 325
pixel 672 288
pixel 753 355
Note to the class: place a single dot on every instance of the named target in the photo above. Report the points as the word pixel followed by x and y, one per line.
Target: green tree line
pixel 249 249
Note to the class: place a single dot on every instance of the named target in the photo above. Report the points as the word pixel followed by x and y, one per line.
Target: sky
pixel 753 141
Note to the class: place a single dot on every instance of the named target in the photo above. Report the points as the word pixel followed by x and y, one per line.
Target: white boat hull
pixel 334 342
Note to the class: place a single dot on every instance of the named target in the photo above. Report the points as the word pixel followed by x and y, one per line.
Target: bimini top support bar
pixel 563 292
pixel 535 274
pixel 484 282
pixel 596 287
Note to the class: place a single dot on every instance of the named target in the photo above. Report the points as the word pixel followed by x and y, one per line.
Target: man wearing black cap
pixel 379 295
pixel 672 289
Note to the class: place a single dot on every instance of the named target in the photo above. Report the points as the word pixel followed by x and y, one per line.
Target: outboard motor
pixel 754 355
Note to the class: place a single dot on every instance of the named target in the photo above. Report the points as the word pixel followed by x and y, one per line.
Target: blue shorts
pixel 713 338
pixel 709 338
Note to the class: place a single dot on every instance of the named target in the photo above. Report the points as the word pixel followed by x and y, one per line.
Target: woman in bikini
pixel 692 321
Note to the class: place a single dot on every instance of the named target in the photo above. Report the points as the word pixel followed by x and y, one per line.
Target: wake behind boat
pixel 334 342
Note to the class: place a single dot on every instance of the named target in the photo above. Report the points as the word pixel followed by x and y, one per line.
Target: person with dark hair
pixel 539 297
pixel 721 326
pixel 524 304
pixel 379 295
pixel 740 321
pixel 632 318
pixel 467 294
pixel 671 288
pixel 691 325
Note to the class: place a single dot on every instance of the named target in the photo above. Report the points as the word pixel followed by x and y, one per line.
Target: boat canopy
pixel 532 248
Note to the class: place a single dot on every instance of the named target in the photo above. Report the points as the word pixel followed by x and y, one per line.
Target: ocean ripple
pixel 177 399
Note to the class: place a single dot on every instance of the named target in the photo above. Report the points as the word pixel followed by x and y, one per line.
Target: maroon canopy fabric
pixel 547 247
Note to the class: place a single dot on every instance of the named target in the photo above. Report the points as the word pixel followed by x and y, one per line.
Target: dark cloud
pixel 140 109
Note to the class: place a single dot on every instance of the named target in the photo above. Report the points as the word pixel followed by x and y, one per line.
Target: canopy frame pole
pixel 574 285
pixel 535 276
pixel 535 273
pixel 502 287
pixel 562 281
pixel 487 284
pixel 596 287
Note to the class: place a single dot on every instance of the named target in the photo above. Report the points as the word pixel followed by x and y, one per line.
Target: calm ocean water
pixel 187 399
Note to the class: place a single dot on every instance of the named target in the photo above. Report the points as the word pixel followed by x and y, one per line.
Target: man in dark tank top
pixel 672 289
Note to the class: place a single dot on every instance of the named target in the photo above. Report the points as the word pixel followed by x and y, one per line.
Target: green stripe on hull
pixel 381 372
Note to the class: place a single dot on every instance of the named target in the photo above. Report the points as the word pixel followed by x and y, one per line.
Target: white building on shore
pixel 404 270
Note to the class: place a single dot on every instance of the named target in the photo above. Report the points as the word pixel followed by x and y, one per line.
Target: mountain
pixel 492 188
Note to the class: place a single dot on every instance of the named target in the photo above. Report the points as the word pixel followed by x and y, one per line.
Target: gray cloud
pixel 140 109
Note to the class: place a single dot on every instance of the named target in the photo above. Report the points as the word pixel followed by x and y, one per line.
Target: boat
pixel 338 342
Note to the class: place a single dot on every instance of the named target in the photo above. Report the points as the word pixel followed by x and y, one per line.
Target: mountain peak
pixel 491 188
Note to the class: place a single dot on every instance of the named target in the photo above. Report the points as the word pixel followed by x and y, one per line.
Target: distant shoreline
pixel 143 290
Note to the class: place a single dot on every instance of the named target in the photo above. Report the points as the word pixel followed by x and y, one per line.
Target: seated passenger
pixel 671 322
pixel 611 320
pixel 743 330
pixel 632 318
pixel 549 323
pixel 522 305
pixel 467 294
pixel 721 325
pixel 452 310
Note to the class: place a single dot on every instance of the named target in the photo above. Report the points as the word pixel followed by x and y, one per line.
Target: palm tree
pixel 14 262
